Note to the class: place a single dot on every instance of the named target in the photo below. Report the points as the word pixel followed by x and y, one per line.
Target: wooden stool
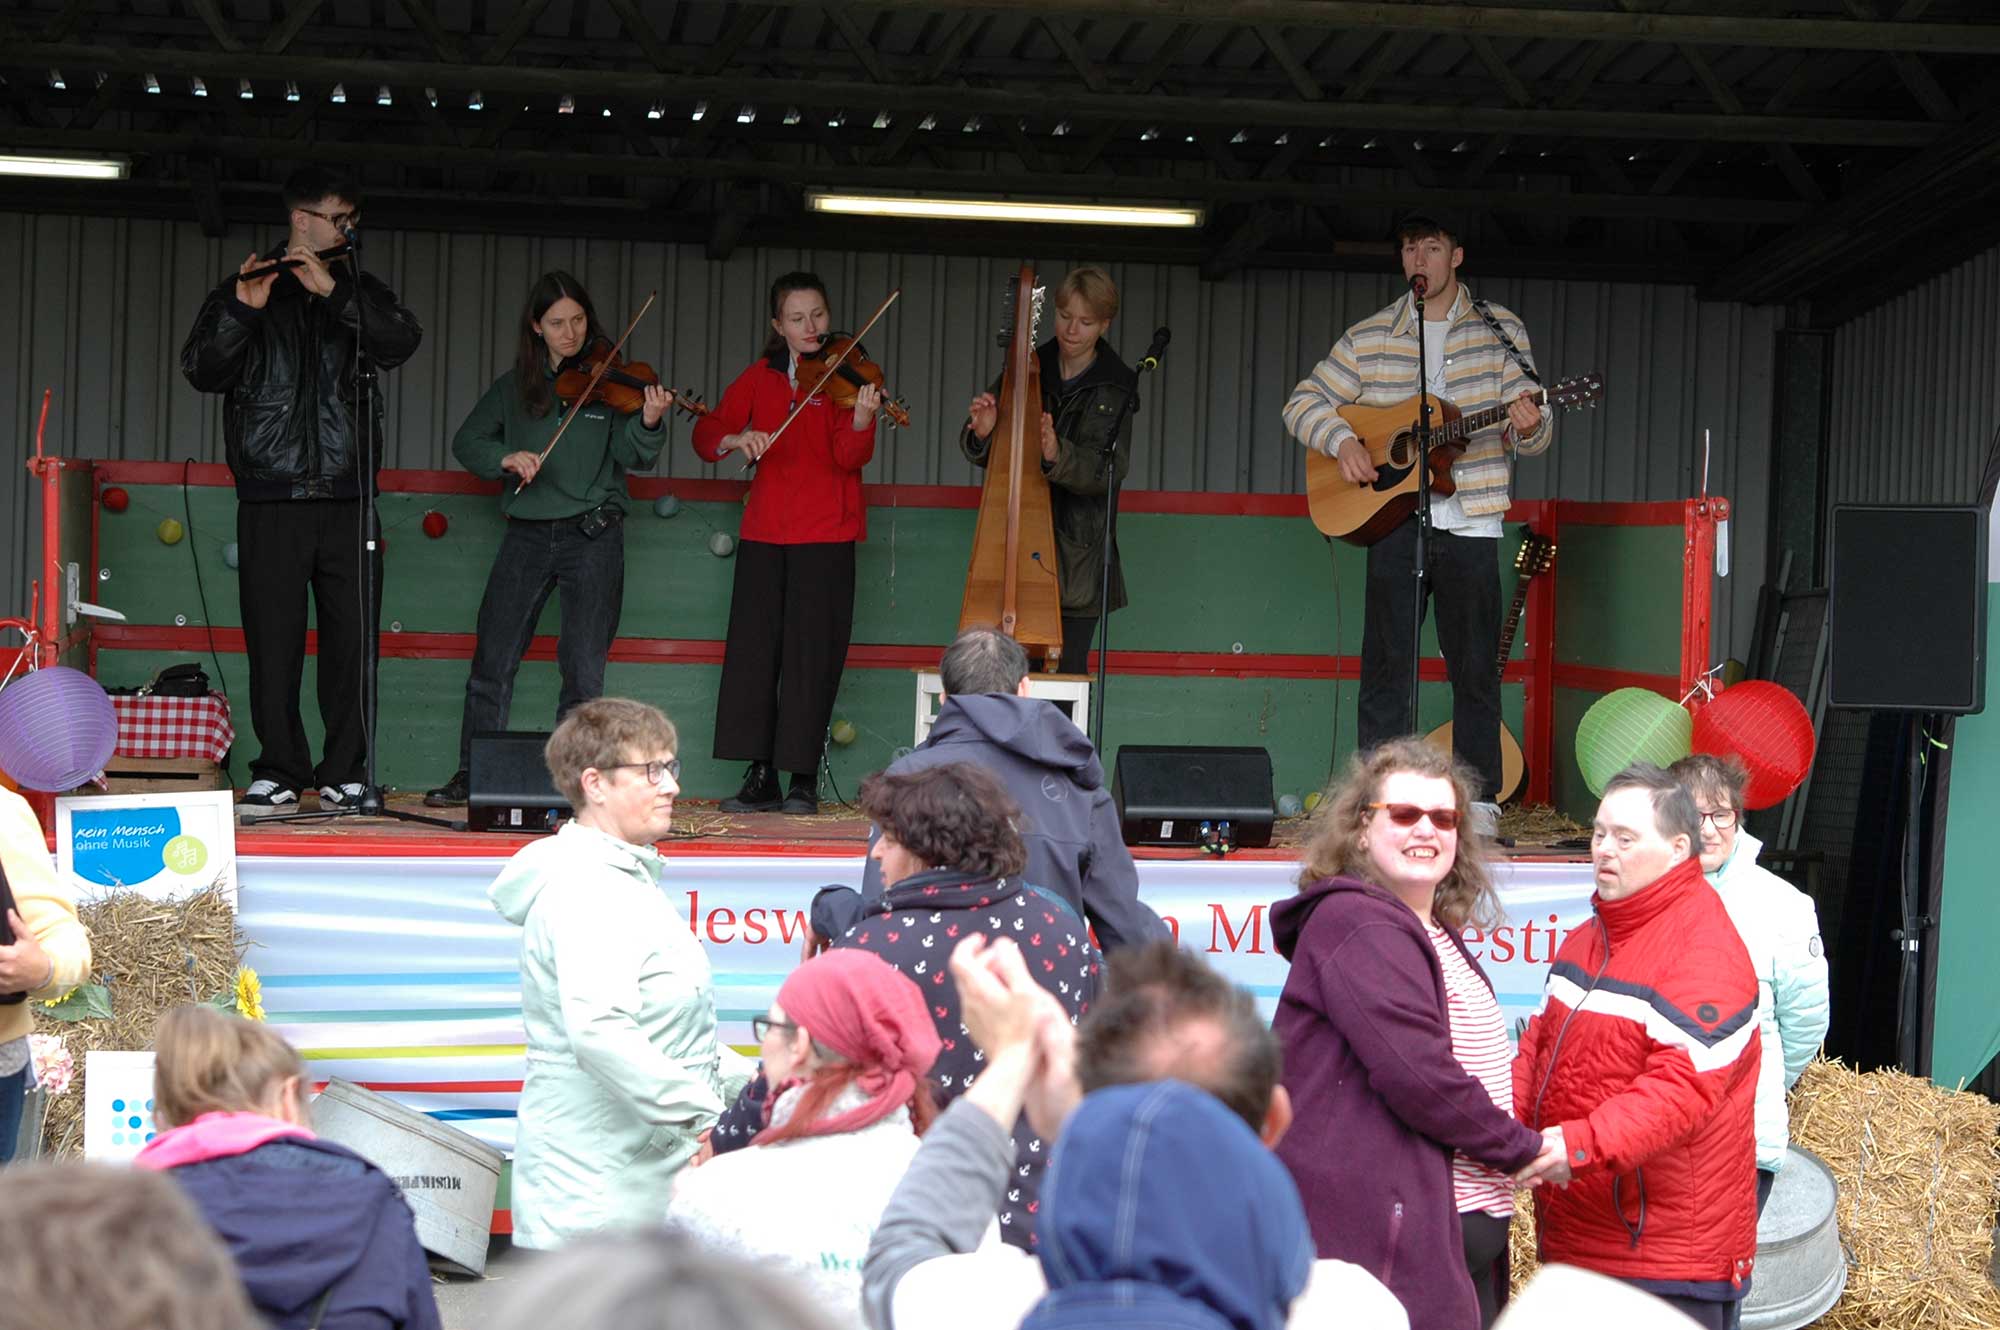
pixel 1070 693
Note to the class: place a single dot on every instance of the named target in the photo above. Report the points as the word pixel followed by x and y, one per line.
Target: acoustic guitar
pixel 1363 514
pixel 1534 557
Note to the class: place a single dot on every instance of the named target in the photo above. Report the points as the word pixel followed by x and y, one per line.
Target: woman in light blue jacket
pixel 1780 926
pixel 624 1075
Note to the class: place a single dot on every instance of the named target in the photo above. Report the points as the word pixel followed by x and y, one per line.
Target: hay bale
pixel 1538 824
pixel 152 955
pixel 1521 1262
pixel 1917 1168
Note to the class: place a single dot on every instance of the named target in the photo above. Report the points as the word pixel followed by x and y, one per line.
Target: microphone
pixel 346 230
pixel 1151 360
pixel 1420 284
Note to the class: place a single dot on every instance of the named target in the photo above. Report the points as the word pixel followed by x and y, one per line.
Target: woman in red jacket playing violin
pixel 791 610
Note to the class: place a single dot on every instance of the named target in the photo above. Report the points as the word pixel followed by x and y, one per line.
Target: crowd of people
pixel 962 1109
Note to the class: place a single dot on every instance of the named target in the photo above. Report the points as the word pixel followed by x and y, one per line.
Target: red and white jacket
pixel 807 488
pixel 1646 1053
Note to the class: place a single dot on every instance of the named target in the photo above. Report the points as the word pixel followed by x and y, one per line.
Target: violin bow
pixel 595 376
pixel 852 342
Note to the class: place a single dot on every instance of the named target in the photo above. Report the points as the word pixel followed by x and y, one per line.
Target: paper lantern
pixel 57 728
pixel 1765 725
pixel 666 506
pixel 1627 726
pixel 436 524
pixel 170 531
pixel 116 500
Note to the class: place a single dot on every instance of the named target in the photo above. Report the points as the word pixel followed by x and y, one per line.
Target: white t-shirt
pixel 1447 514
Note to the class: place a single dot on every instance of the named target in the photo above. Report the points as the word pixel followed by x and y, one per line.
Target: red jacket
pixel 807 488
pixel 1647 1057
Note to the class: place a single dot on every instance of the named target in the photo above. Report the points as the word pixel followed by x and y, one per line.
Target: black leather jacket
pixel 1090 415
pixel 288 370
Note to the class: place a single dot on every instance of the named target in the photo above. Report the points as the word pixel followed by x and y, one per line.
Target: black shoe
pixel 802 797
pixel 759 793
pixel 453 792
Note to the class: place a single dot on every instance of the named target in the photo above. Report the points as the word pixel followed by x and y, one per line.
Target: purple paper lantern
pixel 57 729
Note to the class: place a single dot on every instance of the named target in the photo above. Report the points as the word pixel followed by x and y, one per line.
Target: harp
pixel 1012 581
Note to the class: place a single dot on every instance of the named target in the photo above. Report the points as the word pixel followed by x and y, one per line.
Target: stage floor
pixel 701 828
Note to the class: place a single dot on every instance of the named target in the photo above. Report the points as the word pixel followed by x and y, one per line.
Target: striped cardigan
pixel 1375 363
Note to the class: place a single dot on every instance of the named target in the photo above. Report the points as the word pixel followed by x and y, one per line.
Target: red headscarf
pixel 862 1008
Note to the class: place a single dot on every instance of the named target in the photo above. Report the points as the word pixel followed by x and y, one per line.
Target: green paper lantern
pixel 1627 726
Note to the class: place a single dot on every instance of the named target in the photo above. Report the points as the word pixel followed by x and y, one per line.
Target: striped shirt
pixel 1479 1042
pixel 1375 363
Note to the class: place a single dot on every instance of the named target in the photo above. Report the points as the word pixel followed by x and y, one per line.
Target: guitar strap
pixel 1507 342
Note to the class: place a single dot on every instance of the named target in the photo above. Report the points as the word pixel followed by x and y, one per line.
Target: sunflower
pixel 249 994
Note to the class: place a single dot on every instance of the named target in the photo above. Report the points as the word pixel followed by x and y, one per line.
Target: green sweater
pixel 586 469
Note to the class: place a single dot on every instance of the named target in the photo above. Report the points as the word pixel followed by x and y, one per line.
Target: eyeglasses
pixel 656 771
pixel 340 220
pixel 761 1026
pixel 1408 815
pixel 1722 819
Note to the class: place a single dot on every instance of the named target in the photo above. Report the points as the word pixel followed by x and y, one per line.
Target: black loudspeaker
pixel 1906 608
pixel 1215 798
pixel 509 784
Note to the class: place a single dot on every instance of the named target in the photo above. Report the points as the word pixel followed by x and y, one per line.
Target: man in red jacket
pixel 1643 1064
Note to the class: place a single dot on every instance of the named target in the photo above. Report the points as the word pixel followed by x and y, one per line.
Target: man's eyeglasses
pixel 656 771
pixel 340 220
pixel 1722 819
pixel 1408 815
pixel 761 1026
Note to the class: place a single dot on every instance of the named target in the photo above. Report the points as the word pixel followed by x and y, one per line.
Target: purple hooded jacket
pixel 1380 1102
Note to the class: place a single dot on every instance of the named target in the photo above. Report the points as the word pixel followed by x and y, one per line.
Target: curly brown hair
pixel 1466 895
pixel 950 816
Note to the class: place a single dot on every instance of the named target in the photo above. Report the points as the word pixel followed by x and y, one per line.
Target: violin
pixel 622 386
pixel 846 378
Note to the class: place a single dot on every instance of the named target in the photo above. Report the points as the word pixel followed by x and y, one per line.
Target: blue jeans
pixel 536 558
pixel 13 1089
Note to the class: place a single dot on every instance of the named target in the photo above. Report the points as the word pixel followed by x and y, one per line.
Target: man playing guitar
pixel 1472 366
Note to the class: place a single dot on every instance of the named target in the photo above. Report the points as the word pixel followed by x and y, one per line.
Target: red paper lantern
pixel 116 500
pixel 435 524
pixel 1767 726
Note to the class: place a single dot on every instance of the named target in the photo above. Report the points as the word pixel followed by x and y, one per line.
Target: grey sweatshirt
pixel 943 1205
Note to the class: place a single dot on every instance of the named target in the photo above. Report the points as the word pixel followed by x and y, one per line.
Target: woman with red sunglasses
pixel 1397 1061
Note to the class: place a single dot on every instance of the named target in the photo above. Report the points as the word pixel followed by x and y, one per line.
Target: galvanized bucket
pixel 1801 1267
pixel 448 1177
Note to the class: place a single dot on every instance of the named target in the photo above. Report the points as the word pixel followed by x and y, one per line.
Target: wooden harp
pixel 1012 583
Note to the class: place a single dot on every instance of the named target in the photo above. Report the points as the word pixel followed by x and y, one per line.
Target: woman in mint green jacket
pixel 564 513
pixel 624 1071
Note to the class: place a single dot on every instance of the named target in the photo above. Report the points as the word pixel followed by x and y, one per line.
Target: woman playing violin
pixel 792 608
pixel 564 513
pixel 1087 394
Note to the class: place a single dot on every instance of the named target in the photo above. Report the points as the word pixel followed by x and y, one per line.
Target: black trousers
pixel 285 548
pixel 1484 1238
pixel 535 559
pixel 1464 584
pixel 791 614
pixel 1079 634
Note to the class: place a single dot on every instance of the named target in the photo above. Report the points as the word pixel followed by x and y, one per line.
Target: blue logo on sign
pixel 119 847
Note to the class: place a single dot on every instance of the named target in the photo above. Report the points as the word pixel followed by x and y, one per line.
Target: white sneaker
pixel 269 794
pixel 342 796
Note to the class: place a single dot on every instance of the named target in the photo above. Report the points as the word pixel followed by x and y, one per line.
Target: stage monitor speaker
pixel 1213 798
pixel 1906 608
pixel 509 784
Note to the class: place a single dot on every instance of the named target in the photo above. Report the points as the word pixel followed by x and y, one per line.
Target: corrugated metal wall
pixel 103 306
pixel 1916 391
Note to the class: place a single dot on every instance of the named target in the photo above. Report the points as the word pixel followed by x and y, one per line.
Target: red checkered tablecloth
pixel 173 726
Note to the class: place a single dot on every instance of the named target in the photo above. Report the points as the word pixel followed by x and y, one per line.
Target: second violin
pixel 839 368
pixel 622 386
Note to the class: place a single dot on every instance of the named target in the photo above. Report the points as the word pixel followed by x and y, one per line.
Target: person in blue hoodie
pixel 321 1237
pixel 1076 849
pixel 1163 1209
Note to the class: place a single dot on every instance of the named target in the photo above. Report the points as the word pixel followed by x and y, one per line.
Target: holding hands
pixel 1551 1165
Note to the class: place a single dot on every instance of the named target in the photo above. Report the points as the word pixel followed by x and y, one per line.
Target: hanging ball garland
pixel 1290 805
pixel 1767 726
pixel 436 524
pixel 666 506
pixel 231 555
pixel 1627 726
pixel 116 499
pixel 722 544
pixel 170 531
pixel 843 732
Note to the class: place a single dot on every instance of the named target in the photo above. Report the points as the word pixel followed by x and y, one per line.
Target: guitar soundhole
pixel 1402 449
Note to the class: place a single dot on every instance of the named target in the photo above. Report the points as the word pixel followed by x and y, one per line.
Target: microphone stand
pixel 1110 552
pixel 1420 584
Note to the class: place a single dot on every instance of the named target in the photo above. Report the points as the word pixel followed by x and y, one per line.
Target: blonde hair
pixel 601 734
pixel 1094 287
pixel 1333 847
pixel 208 1061
pixel 98 1245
